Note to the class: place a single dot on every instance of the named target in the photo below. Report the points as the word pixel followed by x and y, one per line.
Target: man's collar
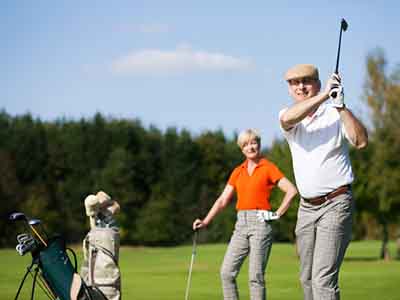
pixel 320 110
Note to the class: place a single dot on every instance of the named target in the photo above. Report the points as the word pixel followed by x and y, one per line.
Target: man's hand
pixel 333 82
pixel 338 100
pixel 267 215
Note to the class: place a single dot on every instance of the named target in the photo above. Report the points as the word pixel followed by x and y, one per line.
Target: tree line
pixel 163 180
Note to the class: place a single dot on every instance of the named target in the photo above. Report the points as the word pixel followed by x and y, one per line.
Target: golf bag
pixel 52 269
pixel 100 269
pixel 59 273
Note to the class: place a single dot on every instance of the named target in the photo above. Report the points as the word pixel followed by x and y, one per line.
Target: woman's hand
pixel 197 224
pixel 218 205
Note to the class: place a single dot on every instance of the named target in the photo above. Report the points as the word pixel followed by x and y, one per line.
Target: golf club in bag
pixel 100 269
pixel 51 267
pixel 343 27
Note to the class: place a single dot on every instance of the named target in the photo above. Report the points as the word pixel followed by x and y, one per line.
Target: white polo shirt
pixel 320 152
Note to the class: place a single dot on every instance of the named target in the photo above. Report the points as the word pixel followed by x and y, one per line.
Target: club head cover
pixel 92 205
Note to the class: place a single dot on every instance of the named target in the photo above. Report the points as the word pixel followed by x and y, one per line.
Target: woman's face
pixel 251 149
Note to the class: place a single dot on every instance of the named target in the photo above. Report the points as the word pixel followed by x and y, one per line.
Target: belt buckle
pixel 322 200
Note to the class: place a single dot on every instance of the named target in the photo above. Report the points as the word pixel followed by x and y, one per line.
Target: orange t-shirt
pixel 253 191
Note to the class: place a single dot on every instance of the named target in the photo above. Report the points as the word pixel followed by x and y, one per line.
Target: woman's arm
pixel 290 192
pixel 219 205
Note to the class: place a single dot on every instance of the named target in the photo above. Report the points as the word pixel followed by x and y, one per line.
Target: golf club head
pixel 23 237
pixel 34 222
pixel 344 25
pixel 26 246
pixel 105 220
pixel 17 216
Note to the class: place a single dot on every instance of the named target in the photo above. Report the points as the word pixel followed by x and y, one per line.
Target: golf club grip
pixel 334 94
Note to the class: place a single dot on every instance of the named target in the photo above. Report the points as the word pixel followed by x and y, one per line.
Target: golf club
pixel 191 265
pixel 22 237
pixel 19 216
pixel 25 246
pixel 38 222
pixel 343 27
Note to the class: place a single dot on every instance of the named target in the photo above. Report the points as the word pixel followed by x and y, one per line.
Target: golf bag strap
pixel 105 250
pixel 92 260
pixel 92 257
pixel 75 265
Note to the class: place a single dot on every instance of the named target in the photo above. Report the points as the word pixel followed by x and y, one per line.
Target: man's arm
pixel 356 131
pixel 297 112
pixel 302 109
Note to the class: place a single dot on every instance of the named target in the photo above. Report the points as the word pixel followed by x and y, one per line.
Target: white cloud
pixel 181 60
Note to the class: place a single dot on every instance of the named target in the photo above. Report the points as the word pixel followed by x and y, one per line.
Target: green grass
pixel 161 273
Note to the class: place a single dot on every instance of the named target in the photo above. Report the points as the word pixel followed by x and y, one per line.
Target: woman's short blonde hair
pixel 248 135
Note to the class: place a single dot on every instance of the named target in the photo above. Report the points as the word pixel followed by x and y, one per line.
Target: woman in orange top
pixel 253 181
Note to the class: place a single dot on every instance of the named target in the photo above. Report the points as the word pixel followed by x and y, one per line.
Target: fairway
pixel 160 273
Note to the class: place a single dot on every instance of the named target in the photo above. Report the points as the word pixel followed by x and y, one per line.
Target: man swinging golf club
pixel 317 133
pixel 253 181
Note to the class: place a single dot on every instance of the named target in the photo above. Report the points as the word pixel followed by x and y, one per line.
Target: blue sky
pixel 199 65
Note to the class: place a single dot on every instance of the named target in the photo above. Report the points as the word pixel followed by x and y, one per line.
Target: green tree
pixel 382 94
pixel 219 157
pixel 117 179
pixel 167 216
pixel 279 154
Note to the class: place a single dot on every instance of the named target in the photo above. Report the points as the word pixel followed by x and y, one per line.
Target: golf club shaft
pixel 338 51
pixel 343 27
pixel 191 265
pixel 38 235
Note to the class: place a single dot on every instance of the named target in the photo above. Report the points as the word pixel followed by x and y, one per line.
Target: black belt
pixel 322 199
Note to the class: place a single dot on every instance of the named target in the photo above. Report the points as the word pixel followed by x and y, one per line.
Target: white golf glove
pixel 267 215
pixel 337 101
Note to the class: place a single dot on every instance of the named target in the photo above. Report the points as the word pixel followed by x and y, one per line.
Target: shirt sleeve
pixel 286 133
pixel 345 134
pixel 274 174
pixel 343 131
pixel 233 177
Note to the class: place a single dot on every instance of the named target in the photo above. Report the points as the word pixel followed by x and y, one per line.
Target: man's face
pixel 301 89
